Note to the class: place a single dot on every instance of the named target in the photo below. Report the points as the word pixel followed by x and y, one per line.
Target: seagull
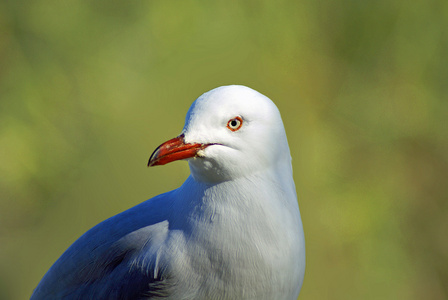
pixel 232 230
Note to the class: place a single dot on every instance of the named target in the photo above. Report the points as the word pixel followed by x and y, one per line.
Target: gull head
pixel 230 132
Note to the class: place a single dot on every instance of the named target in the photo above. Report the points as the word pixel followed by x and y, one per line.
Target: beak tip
pixel 154 158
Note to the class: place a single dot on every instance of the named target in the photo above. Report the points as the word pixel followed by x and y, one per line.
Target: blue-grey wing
pixel 117 259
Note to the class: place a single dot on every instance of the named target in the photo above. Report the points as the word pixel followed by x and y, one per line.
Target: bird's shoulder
pixel 105 260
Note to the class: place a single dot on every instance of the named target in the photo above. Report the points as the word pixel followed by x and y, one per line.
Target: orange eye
pixel 235 123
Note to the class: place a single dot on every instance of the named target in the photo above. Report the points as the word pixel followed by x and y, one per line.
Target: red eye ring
pixel 235 123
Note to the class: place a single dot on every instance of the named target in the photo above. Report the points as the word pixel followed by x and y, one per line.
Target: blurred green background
pixel 88 89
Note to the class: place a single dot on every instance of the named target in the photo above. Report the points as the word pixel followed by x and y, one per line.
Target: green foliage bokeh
pixel 89 88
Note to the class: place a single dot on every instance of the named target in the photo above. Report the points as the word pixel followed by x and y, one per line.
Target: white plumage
pixel 231 231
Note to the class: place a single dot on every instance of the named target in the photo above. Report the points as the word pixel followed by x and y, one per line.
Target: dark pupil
pixel 233 123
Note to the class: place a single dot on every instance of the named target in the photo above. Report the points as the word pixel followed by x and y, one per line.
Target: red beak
pixel 174 149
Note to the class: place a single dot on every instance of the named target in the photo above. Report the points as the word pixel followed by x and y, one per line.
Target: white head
pixel 229 132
